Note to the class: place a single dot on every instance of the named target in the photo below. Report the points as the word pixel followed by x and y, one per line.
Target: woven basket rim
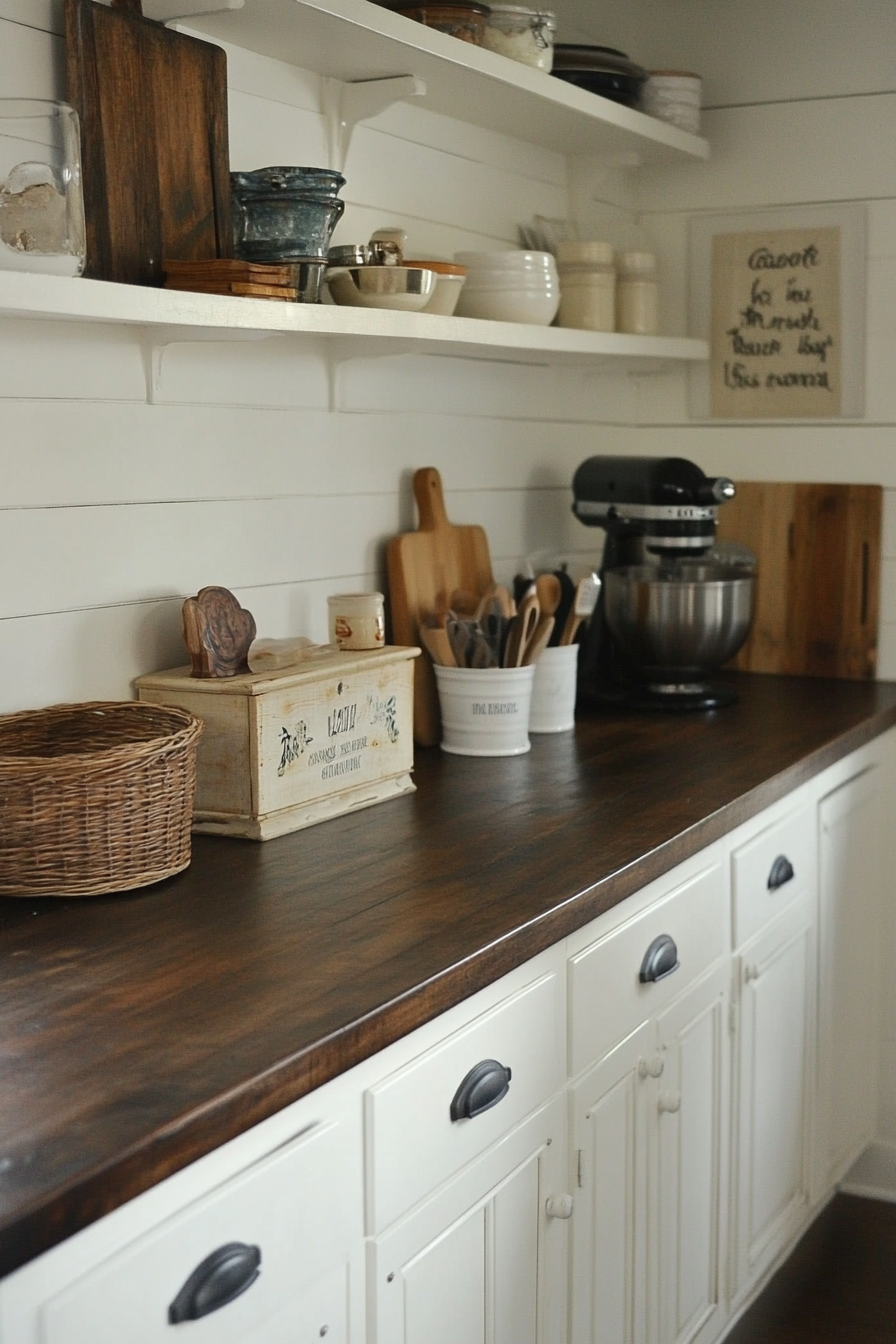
pixel 105 757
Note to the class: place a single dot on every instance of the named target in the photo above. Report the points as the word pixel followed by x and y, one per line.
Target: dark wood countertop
pixel 139 1032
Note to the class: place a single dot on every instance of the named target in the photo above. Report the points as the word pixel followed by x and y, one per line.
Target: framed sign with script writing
pixel 781 298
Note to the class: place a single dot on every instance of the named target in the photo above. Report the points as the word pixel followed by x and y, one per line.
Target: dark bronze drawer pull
pixel 660 960
pixel 220 1278
pixel 484 1086
pixel 781 873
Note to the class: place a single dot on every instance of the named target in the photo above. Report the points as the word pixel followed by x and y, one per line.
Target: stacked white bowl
pixel 510 287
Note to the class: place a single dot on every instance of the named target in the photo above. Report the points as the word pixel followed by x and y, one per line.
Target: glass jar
pixel 587 286
pixel 41 201
pixel 463 19
pixel 525 35
pixel 637 294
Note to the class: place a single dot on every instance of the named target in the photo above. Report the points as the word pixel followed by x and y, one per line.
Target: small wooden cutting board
pixel 818 552
pixel 424 568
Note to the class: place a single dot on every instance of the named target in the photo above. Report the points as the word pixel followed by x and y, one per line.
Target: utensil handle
pixel 430 499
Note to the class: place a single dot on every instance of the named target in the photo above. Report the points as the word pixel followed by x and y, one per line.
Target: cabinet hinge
pixel 732 1018
pixel 580 1175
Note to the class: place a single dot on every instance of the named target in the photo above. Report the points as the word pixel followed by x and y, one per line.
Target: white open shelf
pixel 171 315
pixel 353 40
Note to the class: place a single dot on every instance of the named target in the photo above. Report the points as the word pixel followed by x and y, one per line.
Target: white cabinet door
pixel 688 1105
pixel 609 1227
pixel 481 1261
pixel 850 843
pixel 776 987
pixel 649 1138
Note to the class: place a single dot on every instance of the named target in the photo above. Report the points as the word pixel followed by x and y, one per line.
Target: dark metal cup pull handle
pixel 221 1277
pixel 782 872
pixel 484 1086
pixel 660 960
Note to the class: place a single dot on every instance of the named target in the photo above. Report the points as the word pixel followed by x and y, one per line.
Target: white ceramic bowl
pixel 509 303
pixel 450 280
pixel 446 294
pixel 528 262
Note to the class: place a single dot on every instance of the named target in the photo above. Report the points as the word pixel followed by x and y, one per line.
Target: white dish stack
pixel 510 287
pixel 674 96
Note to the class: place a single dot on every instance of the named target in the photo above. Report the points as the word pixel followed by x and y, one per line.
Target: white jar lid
pixel 592 251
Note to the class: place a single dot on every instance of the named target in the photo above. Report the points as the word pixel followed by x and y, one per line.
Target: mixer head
pixel 668 502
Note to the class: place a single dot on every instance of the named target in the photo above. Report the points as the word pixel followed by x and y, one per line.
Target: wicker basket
pixel 95 798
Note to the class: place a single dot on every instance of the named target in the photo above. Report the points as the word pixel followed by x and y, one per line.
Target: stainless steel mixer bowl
pixel 679 617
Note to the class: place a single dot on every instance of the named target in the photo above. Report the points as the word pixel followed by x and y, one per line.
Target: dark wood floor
pixel 838 1287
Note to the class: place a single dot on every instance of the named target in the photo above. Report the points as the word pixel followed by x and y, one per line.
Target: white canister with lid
pixel 523 34
pixel 587 286
pixel 357 620
pixel 637 294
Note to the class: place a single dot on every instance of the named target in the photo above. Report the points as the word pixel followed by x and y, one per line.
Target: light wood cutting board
pixel 424 567
pixel 818 581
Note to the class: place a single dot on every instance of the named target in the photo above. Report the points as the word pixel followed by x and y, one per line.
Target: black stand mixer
pixel 666 615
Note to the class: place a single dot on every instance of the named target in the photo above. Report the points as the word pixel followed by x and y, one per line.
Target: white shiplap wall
pixel 801 110
pixel 261 467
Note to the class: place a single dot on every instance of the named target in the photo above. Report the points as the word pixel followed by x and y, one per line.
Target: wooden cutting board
pixel 818 578
pixel 155 161
pixel 424 567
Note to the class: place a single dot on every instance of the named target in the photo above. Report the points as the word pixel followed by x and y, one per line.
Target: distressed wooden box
pixel 282 751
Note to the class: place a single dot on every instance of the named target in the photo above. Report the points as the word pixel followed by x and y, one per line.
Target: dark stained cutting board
pixel 155 158
pixel 817 593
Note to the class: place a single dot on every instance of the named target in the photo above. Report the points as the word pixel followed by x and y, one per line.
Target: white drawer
pixel 771 871
pixel 300 1207
pixel 413 1144
pixel 607 998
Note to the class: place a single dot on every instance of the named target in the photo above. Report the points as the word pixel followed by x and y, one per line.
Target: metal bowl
pixel 408 288
pixel 684 617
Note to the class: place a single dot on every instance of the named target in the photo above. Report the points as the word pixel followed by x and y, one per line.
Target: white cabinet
pixel 689 1106
pixel 649 1132
pixel 609 1243
pixel 466 1144
pixel 482 1261
pixel 649 1123
pixel 850 846
pixel 775 982
pixel 773 899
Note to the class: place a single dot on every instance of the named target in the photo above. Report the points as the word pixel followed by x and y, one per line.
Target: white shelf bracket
pixel 342 351
pixel 345 104
pixel 155 343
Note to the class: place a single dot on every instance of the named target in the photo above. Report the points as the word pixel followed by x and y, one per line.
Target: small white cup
pixel 554 690
pixel 485 711
pixel 357 620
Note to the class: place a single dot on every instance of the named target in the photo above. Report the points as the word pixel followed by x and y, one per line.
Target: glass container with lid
pixel 523 34
pixel 41 201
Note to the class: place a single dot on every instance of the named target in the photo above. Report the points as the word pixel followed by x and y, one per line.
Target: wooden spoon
pixel 438 645
pixel 547 587
pixel 522 630
pixel 540 639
